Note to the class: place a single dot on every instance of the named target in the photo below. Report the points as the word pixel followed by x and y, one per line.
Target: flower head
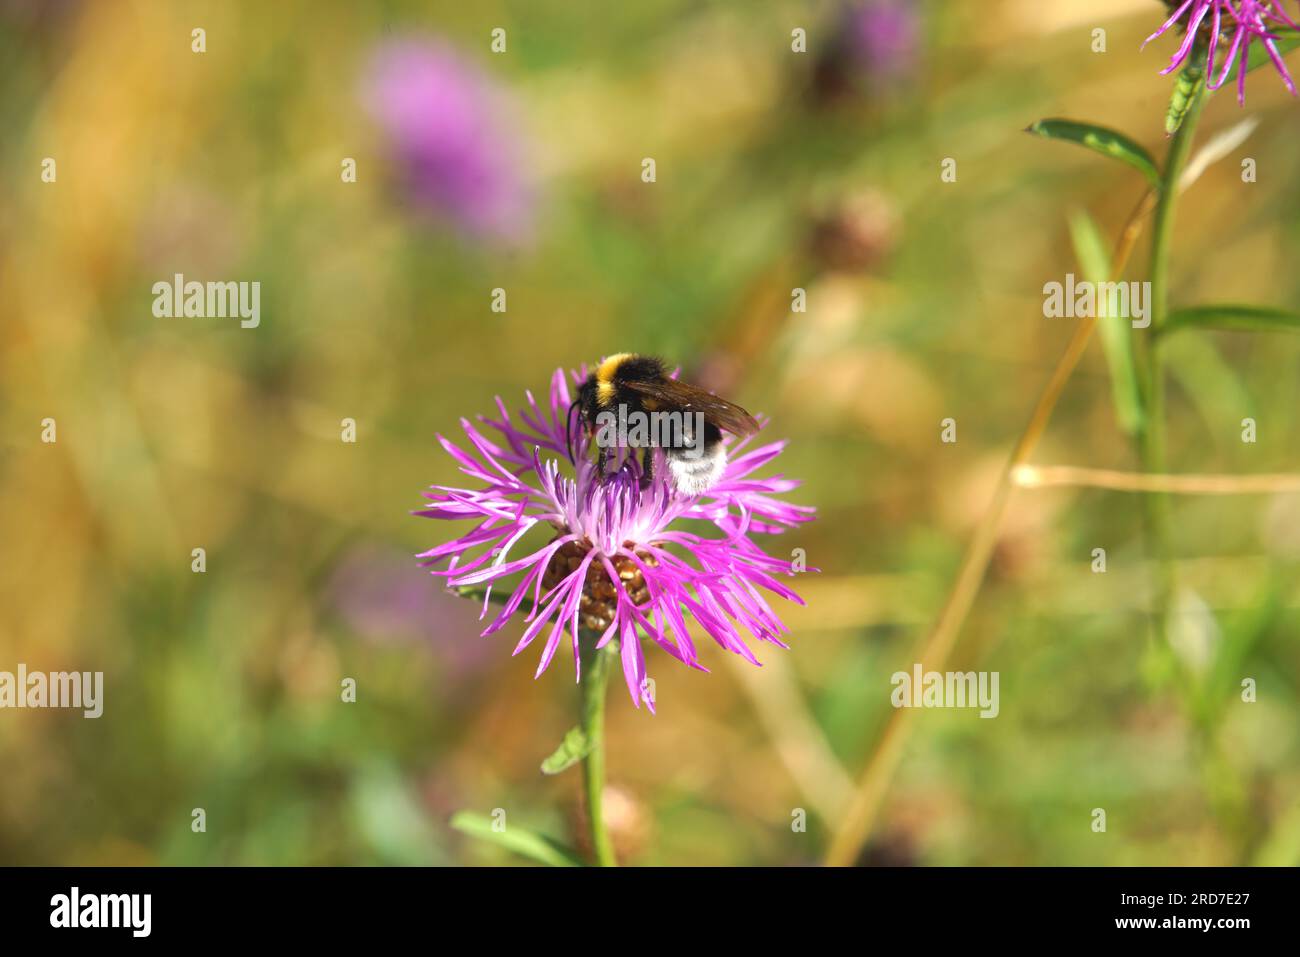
pixel 872 49
pixel 883 37
pixel 617 559
pixel 1232 25
pixel 449 125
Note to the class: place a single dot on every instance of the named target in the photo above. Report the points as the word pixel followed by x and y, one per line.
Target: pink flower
pixel 617 559
pixel 1233 24
pixel 451 129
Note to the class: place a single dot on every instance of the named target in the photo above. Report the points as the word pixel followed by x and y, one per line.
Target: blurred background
pixel 522 170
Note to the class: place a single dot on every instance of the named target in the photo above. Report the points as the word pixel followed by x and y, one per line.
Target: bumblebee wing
pixel 682 396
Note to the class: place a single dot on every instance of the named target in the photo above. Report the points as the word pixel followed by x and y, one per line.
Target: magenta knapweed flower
pixel 883 37
pixel 616 560
pixel 452 130
pixel 1233 24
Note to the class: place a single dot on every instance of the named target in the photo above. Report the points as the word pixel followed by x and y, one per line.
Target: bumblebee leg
pixel 647 466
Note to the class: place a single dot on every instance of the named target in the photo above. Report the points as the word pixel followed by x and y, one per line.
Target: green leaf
pixel 1232 316
pixel 1211 384
pixel 1180 101
pixel 572 749
pixel 1116 331
pixel 521 841
pixel 1101 140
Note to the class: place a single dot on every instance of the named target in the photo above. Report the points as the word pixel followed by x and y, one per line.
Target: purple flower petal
pixel 1235 23
pixel 614 524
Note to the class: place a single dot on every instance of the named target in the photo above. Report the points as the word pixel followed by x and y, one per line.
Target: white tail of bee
pixel 697 473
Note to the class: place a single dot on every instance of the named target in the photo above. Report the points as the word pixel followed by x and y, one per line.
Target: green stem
pixel 1151 443
pixel 595 676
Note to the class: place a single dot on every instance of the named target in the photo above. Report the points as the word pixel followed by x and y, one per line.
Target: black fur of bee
pixel 690 420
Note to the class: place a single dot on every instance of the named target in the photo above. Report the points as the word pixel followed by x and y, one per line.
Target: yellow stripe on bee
pixel 605 376
pixel 605 371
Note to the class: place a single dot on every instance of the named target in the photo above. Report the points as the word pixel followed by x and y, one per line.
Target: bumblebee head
pixel 584 404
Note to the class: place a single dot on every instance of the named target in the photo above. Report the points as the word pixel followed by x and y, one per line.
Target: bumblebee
pixel 630 401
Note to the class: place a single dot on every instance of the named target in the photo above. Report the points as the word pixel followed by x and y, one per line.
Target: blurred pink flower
pixel 452 132
pixel 884 36
pixel 871 48
pixel 384 600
